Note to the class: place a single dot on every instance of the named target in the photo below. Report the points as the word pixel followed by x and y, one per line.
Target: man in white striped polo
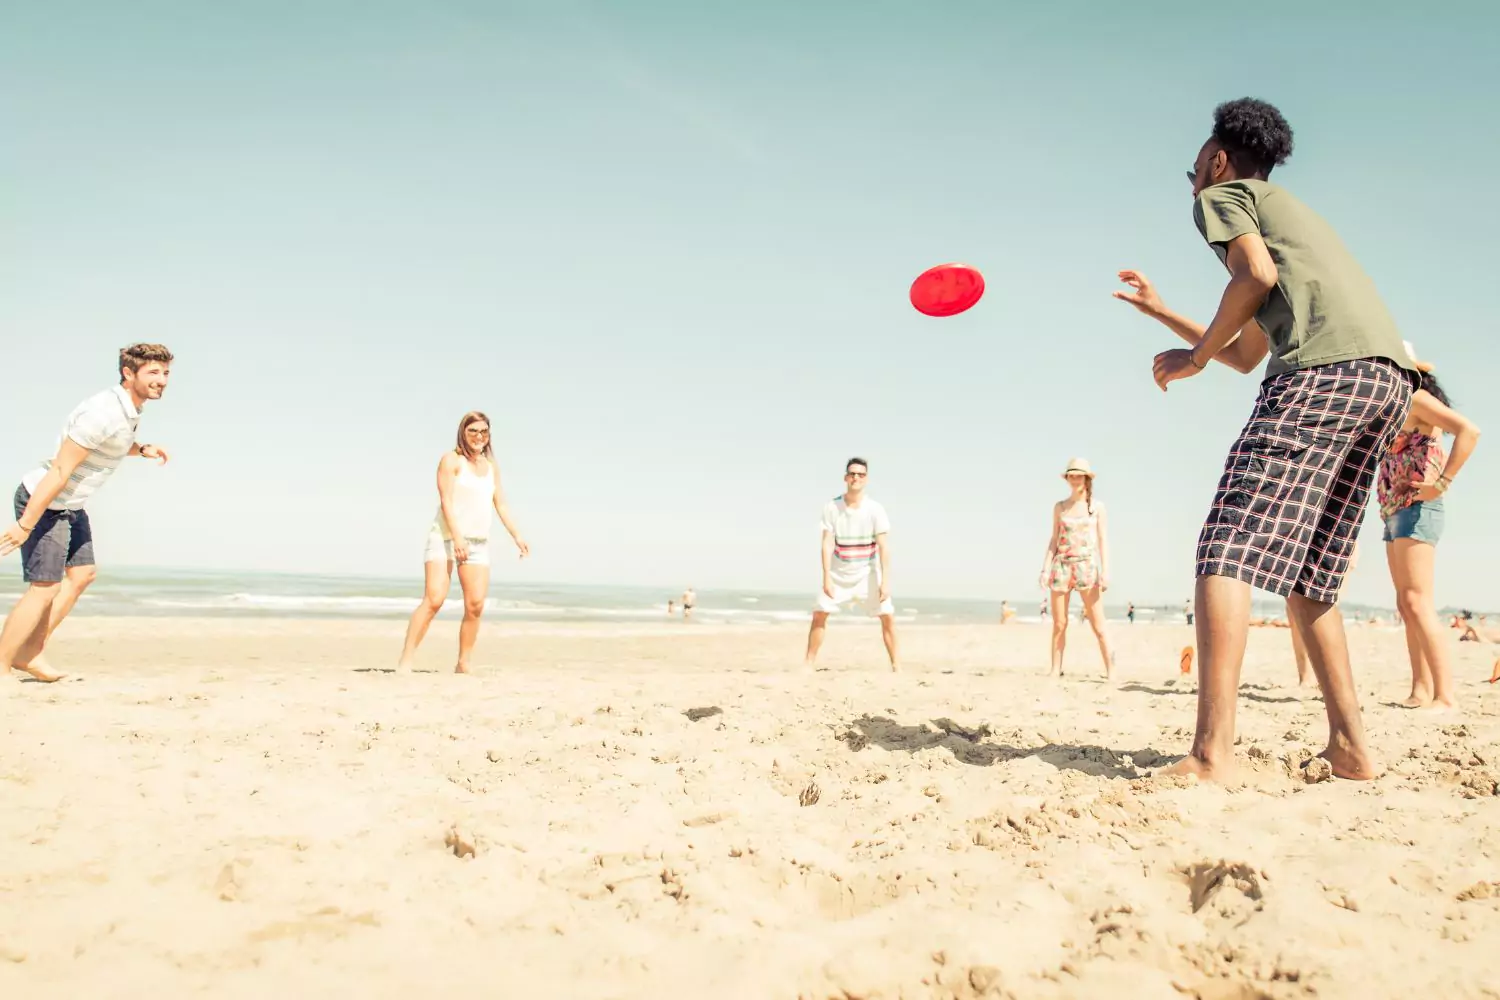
pixel 52 528
pixel 856 562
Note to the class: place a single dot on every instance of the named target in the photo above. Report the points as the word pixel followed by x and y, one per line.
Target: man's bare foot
pixel 1220 773
pixel 462 668
pixel 895 668
pixel 39 672
pixel 1351 763
pixel 1439 706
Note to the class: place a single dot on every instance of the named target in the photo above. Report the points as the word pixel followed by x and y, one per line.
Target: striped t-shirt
pixel 105 424
pixel 854 531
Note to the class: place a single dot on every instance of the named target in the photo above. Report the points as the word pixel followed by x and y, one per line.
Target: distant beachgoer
pixel 52 528
pixel 1414 475
pixel 468 486
pixel 856 556
pixel 1130 612
pixel 671 608
pixel 1078 559
pixel 1006 612
pixel 689 599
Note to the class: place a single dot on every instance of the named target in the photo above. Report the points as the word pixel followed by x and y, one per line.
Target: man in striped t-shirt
pixel 52 528
pixel 856 561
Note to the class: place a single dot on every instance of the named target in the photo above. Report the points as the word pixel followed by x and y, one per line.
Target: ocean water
pixel 139 592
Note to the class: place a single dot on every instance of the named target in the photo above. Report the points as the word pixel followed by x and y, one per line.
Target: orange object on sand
pixel 1495 674
pixel 1187 659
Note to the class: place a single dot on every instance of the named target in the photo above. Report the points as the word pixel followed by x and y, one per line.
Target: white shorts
pixel 440 549
pixel 865 592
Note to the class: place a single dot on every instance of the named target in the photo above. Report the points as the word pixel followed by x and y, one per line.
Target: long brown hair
pixel 474 417
pixel 1088 493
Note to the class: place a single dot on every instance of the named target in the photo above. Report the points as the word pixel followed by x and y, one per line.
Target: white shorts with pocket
pixel 440 549
pixel 865 593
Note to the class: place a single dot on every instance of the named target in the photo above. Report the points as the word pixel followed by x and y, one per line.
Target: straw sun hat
pixel 1078 465
pixel 1418 364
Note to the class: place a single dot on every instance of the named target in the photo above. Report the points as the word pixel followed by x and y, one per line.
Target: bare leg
pixel 434 592
pixel 475 581
pixel 1323 631
pixel 1305 676
pixel 1093 613
pixel 892 645
pixel 25 631
pixel 1223 624
pixel 75 581
pixel 815 635
pixel 1059 629
pixel 1412 571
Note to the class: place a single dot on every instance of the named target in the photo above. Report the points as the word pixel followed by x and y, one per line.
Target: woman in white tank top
pixel 468 485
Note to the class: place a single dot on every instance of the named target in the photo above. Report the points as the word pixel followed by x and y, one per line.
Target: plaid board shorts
pixel 1296 483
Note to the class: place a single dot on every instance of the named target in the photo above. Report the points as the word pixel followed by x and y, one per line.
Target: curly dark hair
pixel 1435 388
pixel 1254 134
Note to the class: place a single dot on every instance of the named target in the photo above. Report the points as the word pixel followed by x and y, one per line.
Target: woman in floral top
pixel 1414 476
pixel 1078 559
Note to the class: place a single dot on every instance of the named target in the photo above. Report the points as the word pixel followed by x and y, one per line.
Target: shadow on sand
pixel 972 746
pixel 1247 691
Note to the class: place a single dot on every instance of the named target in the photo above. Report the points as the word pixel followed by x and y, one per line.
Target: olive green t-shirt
pixel 1324 308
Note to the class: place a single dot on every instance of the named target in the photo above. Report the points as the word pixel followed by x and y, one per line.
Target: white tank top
pixel 473 496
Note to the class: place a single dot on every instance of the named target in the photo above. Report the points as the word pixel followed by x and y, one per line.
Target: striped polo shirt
pixel 854 531
pixel 105 424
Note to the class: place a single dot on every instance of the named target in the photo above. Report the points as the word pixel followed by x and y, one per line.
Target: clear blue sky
pixel 666 246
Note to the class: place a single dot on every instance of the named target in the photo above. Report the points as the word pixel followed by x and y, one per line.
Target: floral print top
pixel 1413 455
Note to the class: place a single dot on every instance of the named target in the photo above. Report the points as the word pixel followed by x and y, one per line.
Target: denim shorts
pixel 1421 521
pixel 61 540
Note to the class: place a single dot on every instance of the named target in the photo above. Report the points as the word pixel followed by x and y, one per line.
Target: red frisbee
pixel 947 290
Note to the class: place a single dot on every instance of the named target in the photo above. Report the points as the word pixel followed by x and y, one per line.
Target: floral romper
pixel 1075 565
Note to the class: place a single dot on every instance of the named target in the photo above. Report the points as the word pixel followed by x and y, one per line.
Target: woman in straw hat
pixel 1077 559
pixel 1414 476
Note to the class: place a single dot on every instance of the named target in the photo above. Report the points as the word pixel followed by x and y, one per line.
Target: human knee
pixel 81 576
pixel 432 601
pixel 473 607
pixel 1411 602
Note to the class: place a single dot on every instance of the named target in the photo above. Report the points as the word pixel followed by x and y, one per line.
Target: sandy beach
pixel 238 808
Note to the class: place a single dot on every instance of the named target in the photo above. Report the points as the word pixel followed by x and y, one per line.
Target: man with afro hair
pixel 1336 390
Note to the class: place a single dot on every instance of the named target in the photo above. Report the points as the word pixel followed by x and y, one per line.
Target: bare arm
pixel 827 555
pixel 503 510
pixel 1051 542
pixel 447 474
pixel 70 455
pixel 1104 545
pixel 1252 275
pixel 1245 349
pixel 883 546
pixel 1428 410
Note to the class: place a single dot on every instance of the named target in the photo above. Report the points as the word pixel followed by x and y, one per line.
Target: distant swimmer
pixel 52 527
pixel 468 487
pixel 689 601
pixel 856 562
pixel 1077 559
